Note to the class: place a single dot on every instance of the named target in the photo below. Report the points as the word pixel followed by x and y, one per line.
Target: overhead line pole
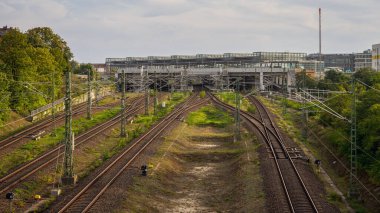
pixel 88 94
pixel 237 114
pixel 52 104
pixel 68 177
pixel 123 121
pixel 305 111
pixel 353 192
pixel 155 93
pixel 146 85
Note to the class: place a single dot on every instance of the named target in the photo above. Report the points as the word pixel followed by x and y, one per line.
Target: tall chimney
pixel 320 36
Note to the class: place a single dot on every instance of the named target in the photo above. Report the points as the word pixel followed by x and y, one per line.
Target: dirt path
pixel 200 169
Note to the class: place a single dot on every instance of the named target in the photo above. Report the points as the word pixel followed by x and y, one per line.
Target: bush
pixel 202 94
pixel 209 115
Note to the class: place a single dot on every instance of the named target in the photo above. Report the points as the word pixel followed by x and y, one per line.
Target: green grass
pixel 33 148
pixel 209 115
pixel 230 98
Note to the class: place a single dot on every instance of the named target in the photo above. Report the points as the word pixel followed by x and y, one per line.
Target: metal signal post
pixel 88 94
pixel 353 192
pixel 68 177
pixel 123 120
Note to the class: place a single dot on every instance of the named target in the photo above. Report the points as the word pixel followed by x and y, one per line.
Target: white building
pixel 376 57
pixel 363 60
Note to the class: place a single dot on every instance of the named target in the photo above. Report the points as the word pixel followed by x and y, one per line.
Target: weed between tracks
pixel 199 168
pixel 94 154
pixel 209 115
pixel 34 148
pixel 290 123
pixel 230 98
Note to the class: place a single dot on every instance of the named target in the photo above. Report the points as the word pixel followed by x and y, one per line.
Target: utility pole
pixel 353 192
pixel 284 92
pixel 123 121
pixel 88 94
pixel 155 94
pixel 96 90
pixel 320 40
pixel 52 104
pixel 305 111
pixel 146 93
pixel 68 177
pixel 237 115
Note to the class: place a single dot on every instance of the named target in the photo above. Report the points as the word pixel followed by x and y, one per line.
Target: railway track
pixel 36 129
pixel 12 179
pixel 95 188
pixel 297 195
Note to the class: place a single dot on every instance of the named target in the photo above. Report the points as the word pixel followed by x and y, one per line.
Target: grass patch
pixel 32 149
pixel 209 115
pixel 230 98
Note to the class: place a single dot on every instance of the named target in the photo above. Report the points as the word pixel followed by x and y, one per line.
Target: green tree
pixel 44 37
pixel 334 81
pixel 19 67
pixel 30 61
pixel 4 95
pixel 368 76
pixel 302 79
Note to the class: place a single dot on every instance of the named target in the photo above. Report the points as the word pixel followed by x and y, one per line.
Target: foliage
pixel 368 76
pixel 4 97
pixel 303 80
pixel 230 98
pixel 331 79
pixel 209 115
pixel 83 69
pixel 202 94
pixel 368 117
pixel 29 62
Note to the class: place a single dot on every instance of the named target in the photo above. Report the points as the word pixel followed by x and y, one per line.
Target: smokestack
pixel 320 36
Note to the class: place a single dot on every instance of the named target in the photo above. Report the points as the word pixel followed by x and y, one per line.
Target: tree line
pixel 367 89
pixel 29 64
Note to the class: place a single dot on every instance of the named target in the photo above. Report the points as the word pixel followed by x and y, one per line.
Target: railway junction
pixel 165 155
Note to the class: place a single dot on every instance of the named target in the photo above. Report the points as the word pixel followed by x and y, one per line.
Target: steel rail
pixel 161 126
pixel 261 124
pixel 45 157
pixel 12 139
pixel 266 137
pixel 258 104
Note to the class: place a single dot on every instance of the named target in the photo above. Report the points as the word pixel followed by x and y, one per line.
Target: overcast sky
pixel 97 29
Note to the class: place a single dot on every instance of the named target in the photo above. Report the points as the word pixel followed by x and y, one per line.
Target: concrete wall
pixel 59 105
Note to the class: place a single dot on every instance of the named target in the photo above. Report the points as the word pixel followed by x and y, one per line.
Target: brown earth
pixel 200 169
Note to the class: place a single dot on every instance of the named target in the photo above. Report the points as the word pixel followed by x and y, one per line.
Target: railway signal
pixel 10 196
pixel 144 170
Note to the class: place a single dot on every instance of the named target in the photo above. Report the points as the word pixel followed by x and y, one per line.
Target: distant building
pixel 376 57
pixel 4 30
pixel 101 68
pixel 363 60
pixel 344 61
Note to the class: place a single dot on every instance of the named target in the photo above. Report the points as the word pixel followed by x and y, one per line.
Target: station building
pixel 376 57
pixel 363 60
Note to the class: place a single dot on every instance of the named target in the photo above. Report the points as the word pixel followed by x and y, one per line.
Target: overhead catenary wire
pixel 343 165
pixel 325 108
pixel 344 137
